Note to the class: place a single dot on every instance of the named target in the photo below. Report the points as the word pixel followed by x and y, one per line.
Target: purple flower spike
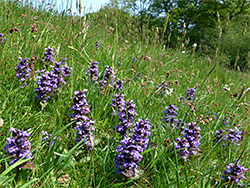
pixel 133 59
pixel 234 135
pixel 17 146
pixel 49 82
pixel 234 173
pixel 84 124
pixel 170 114
pixel 118 103
pixel 97 45
pixel 126 118
pixel 128 157
pixel 108 77
pixel 93 72
pixel 190 94
pixel 141 133
pixel 189 141
pixel 48 55
pixel 46 136
pixel 118 85
pixel 22 70
pixel 1 38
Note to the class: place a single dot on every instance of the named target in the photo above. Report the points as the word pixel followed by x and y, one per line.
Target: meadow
pixel 83 106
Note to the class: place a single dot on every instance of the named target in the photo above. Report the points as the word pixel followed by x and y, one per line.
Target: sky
pixel 90 5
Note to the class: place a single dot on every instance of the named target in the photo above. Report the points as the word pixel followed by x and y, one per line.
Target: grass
pixel 67 164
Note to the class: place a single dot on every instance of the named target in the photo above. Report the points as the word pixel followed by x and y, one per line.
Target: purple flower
pixel 84 124
pixel 48 55
pixel 97 45
pixel 162 89
pixel 189 141
pixel 133 59
pixel 93 72
pixel 22 70
pixel 190 93
pixel 84 131
pixel 128 156
pixel 234 173
pixel 17 146
pixel 49 82
pixel 79 105
pixel 170 114
pixel 141 133
pixel 126 118
pixel 108 78
pixel 46 136
pixel 118 103
pixel 118 85
pixel 1 37
pixel 234 135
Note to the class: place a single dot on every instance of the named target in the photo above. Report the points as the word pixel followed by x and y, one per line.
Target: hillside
pixel 177 119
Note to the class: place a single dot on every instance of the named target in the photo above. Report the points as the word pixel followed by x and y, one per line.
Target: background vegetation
pixel 164 52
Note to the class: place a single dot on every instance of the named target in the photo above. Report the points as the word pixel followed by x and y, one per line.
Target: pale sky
pixel 90 5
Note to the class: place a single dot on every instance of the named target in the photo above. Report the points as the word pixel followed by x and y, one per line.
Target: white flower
pixel 126 41
pixel 194 45
pixel 183 52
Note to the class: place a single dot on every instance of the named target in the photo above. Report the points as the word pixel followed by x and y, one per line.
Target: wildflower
pixel 234 135
pixel 118 102
pixel 190 93
pixel 128 158
pixel 163 90
pixel 220 136
pixel 46 136
pixel 133 59
pixel 97 45
pixel 49 82
pixel 48 55
pixel 126 118
pixel 93 72
pixel 17 146
pixel 170 114
pixel 84 131
pixel 1 38
pixel 108 77
pixel 234 173
pixel 118 85
pixel 141 133
pixel 194 45
pixel 79 105
pixel 189 141
pixel 84 124
pixel 22 70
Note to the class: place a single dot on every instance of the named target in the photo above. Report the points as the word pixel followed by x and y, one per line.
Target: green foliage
pixel 67 164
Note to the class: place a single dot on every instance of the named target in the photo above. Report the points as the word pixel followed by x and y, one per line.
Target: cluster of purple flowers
pixel 234 173
pixel 93 72
pixel 49 82
pixel 48 55
pixel 118 85
pixel 189 141
pixel 133 59
pixel 1 37
pixel 46 137
pixel 126 115
pixel 17 146
pixel 22 70
pixel 128 158
pixel 108 77
pixel 130 149
pixel 84 124
pixel 170 114
pixel 190 93
pixel 141 132
pixel 232 135
pixel 97 45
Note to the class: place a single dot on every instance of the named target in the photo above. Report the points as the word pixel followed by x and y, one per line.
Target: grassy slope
pixel 82 167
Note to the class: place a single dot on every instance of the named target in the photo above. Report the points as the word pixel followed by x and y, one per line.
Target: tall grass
pixel 219 92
